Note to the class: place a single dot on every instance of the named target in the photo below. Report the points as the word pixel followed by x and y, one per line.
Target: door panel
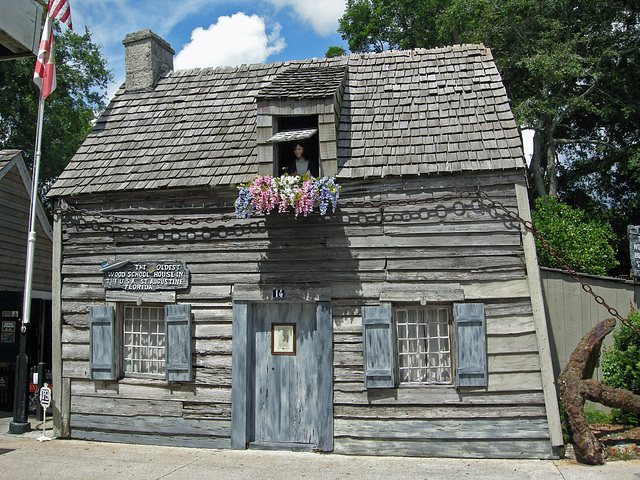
pixel 285 399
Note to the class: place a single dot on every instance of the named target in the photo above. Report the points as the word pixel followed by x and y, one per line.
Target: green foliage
pixel 621 363
pixel 82 78
pixel 596 416
pixel 582 242
pixel 335 51
pixel 620 417
pixel 376 25
pixel 571 71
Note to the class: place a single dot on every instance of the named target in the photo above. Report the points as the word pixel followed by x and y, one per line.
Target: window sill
pixel 137 379
pixel 429 386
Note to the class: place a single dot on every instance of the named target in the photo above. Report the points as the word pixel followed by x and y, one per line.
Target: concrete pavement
pixel 24 457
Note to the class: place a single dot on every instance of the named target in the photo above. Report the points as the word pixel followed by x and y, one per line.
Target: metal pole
pixel 20 423
pixel 28 277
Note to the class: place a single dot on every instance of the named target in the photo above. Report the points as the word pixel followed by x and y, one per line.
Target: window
pixel 415 345
pixel 152 340
pixel 293 131
pixel 424 345
pixel 144 340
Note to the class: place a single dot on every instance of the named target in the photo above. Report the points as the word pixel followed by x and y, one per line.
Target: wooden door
pixel 289 404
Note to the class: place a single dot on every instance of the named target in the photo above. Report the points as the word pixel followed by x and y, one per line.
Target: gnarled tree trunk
pixel 576 387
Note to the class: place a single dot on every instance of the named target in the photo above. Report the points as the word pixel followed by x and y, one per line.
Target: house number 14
pixel 277 293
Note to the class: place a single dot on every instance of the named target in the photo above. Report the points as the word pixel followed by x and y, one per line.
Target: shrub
pixel 621 363
pixel 583 243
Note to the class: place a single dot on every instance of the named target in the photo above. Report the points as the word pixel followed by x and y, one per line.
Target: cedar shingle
pixel 431 110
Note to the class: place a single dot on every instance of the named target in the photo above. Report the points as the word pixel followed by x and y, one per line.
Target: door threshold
pixel 292 446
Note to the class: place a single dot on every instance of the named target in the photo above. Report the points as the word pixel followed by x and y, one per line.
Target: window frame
pixel 283 150
pixel 161 373
pixel 448 308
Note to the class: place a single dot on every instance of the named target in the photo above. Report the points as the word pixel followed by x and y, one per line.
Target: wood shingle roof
pixel 402 113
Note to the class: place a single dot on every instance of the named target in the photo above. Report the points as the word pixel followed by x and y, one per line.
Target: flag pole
pixel 20 423
pixel 28 278
pixel 44 76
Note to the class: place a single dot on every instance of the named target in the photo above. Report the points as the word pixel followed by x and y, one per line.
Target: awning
pixel 290 135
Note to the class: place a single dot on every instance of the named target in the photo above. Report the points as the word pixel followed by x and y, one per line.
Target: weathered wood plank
pixel 476 239
pixel 503 274
pixel 484 291
pixel 524 343
pixel 200 441
pixel 446 429
pixel 213 376
pixel 206 410
pixel 212 346
pixel 128 388
pixel 152 424
pixel 438 411
pixel 471 449
pixel 515 324
pixel 124 407
pixel 72 351
pixel 514 362
pixel 472 262
pixel 75 335
pixel 448 227
pixel 433 396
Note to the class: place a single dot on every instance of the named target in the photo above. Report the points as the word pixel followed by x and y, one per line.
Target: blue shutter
pixel 470 344
pixel 377 343
pixel 178 343
pixel 102 363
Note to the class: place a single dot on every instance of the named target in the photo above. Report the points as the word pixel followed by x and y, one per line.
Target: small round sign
pixel 45 397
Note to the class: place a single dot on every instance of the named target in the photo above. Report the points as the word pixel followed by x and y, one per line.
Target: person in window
pixel 299 165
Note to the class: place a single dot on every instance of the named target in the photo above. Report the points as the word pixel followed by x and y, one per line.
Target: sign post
pixel 634 249
pixel 45 401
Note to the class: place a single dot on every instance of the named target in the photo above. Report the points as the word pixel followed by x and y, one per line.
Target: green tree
pixel 566 65
pixel 335 51
pixel 377 25
pixel 585 244
pixel 571 69
pixel 81 77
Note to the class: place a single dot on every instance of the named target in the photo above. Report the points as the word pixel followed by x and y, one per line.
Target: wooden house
pixel 15 188
pixel 407 322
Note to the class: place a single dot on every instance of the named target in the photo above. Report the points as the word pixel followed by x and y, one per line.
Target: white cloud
pixel 322 15
pixel 232 40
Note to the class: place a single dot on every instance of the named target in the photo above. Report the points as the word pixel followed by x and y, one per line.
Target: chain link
pixel 481 195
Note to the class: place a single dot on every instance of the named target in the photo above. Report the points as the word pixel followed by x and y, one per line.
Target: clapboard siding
pixel 508 448
pixel 190 441
pixel 450 250
pixel 14 226
pixel 449 429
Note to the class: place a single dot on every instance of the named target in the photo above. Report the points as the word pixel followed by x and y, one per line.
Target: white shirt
pixel 302 166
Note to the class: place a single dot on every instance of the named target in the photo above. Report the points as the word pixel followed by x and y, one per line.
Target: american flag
pixel 44 74
pixel 59 9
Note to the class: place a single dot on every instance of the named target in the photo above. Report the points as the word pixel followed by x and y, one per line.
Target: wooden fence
pixel 572 312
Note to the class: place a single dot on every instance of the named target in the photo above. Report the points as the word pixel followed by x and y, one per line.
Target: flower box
pixel 300 193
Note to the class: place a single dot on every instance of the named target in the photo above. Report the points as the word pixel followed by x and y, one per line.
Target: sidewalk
pixel 24 457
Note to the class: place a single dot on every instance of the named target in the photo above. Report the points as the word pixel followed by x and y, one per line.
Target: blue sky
pixel 207 33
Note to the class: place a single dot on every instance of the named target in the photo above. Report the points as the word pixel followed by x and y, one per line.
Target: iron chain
pixel 481 195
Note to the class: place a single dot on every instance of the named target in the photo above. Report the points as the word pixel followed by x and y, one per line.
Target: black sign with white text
pixel 146 276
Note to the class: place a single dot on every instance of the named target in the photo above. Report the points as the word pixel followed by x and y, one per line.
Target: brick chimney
pixel 147 57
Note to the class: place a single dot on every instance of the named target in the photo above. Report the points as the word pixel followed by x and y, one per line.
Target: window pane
pixel 424 353
pixel 144 340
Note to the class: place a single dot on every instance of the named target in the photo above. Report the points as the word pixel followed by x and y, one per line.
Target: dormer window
pixel 299 112
pixel 296 148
